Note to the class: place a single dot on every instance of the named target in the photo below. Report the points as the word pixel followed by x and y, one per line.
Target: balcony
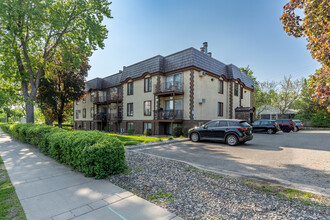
pixel 168 88
pixel 168 115
pixel 115 98
pixel 107 99
pixel 114 117
pixel 100 117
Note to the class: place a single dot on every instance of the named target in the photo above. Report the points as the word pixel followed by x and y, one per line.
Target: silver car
pixel 299 124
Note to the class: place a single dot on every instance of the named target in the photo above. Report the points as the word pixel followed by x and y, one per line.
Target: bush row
pixel 90 152
pixel 178 131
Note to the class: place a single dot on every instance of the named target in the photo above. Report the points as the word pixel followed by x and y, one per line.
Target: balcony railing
pixel 168 114
pixel 100 117
pixel 107 98
pixel 114 117
pixel 173 86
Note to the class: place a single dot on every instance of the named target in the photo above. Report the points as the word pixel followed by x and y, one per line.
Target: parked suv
pixel 230 131
pixel 299 124
pixel 269 126
pixel 286 125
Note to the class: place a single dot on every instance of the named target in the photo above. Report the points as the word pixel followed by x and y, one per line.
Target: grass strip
pixel 10 206
pixel 133 140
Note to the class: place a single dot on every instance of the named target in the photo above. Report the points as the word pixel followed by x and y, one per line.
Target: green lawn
pixel 10 207
pixel 133 140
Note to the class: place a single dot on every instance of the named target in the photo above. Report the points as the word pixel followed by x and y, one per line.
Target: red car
pixel 286 125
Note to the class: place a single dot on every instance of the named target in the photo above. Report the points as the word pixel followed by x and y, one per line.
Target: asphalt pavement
pixel 298 160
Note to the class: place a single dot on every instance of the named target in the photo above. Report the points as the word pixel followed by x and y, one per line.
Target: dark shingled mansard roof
pixel 179 60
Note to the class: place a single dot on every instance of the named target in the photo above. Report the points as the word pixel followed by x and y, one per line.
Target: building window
pixel 236 89
pixel 84 100
pixel 84 113
pixel 147 108
pixel 92 97
pixel 130 125
pixel 147 85
pixel 146 125
pixel 220 86
pixel 92 112
pixel 130 88
pixel 77 103
pixel 241 92
pixel 77 114
pixel 174 82
pixel 84 125
pixel 129 109
pixel 220 108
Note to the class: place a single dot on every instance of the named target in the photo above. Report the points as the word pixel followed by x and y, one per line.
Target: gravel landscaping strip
pixel 194 194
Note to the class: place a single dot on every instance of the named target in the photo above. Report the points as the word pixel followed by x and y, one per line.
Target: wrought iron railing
pixel 107 98
pixel 172 86
pixel 114 116
pixel 168 114
pixel 100 116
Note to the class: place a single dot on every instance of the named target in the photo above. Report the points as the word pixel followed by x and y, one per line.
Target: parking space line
pixel 116 213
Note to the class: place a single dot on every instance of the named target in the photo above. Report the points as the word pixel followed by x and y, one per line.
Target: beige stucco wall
pixel 82 105
pixel 138 98
pixel 206 88
pixel 246 101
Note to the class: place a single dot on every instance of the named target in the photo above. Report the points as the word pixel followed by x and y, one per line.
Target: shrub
pixel 130 131
pixel 185 132
pixel 321 119
pixel 171 138
pixel 147 132
pixel 91 152
pixel 177 131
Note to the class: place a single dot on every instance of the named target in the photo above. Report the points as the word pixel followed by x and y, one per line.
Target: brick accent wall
pixel 191 98
pixel 231 100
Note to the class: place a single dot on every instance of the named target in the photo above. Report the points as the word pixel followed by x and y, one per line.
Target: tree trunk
pixel 29 112
pixel 60 121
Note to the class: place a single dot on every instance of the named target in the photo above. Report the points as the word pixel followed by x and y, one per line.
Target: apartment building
pixel 187 88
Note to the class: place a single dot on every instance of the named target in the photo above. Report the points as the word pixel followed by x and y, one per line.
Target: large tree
pixel 315 26
pixel 31 32
pixel 264 92
pixel 289 92
pixel 64 84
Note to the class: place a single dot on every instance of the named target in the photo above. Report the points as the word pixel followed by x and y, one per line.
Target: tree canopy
pixel 315 26
pixel 64 85
pixel 31 31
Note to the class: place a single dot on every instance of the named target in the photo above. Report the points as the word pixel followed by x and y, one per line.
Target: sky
pixel 240 32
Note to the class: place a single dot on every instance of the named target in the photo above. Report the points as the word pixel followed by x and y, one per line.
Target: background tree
pixel 310 109
pixel 31 31
pixel 65 84
pixel 315 26
pixel 289 91
pixel 264 93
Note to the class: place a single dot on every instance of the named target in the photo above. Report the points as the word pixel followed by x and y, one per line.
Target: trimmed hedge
pixel 90 152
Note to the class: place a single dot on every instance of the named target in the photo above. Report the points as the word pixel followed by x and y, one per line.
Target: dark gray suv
pixel 230 131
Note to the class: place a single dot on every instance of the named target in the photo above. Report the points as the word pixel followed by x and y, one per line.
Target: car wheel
pixel 286 129
pixel 194 137
pixel 297 129
pixel 232 140
pixel 270 131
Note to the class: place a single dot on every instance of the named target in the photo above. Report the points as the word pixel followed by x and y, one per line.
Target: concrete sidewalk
pixel 50 190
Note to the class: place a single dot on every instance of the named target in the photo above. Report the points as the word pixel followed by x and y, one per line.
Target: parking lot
pixel 297 159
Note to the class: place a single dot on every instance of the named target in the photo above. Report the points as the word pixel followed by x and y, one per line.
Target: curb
pixel 140 146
